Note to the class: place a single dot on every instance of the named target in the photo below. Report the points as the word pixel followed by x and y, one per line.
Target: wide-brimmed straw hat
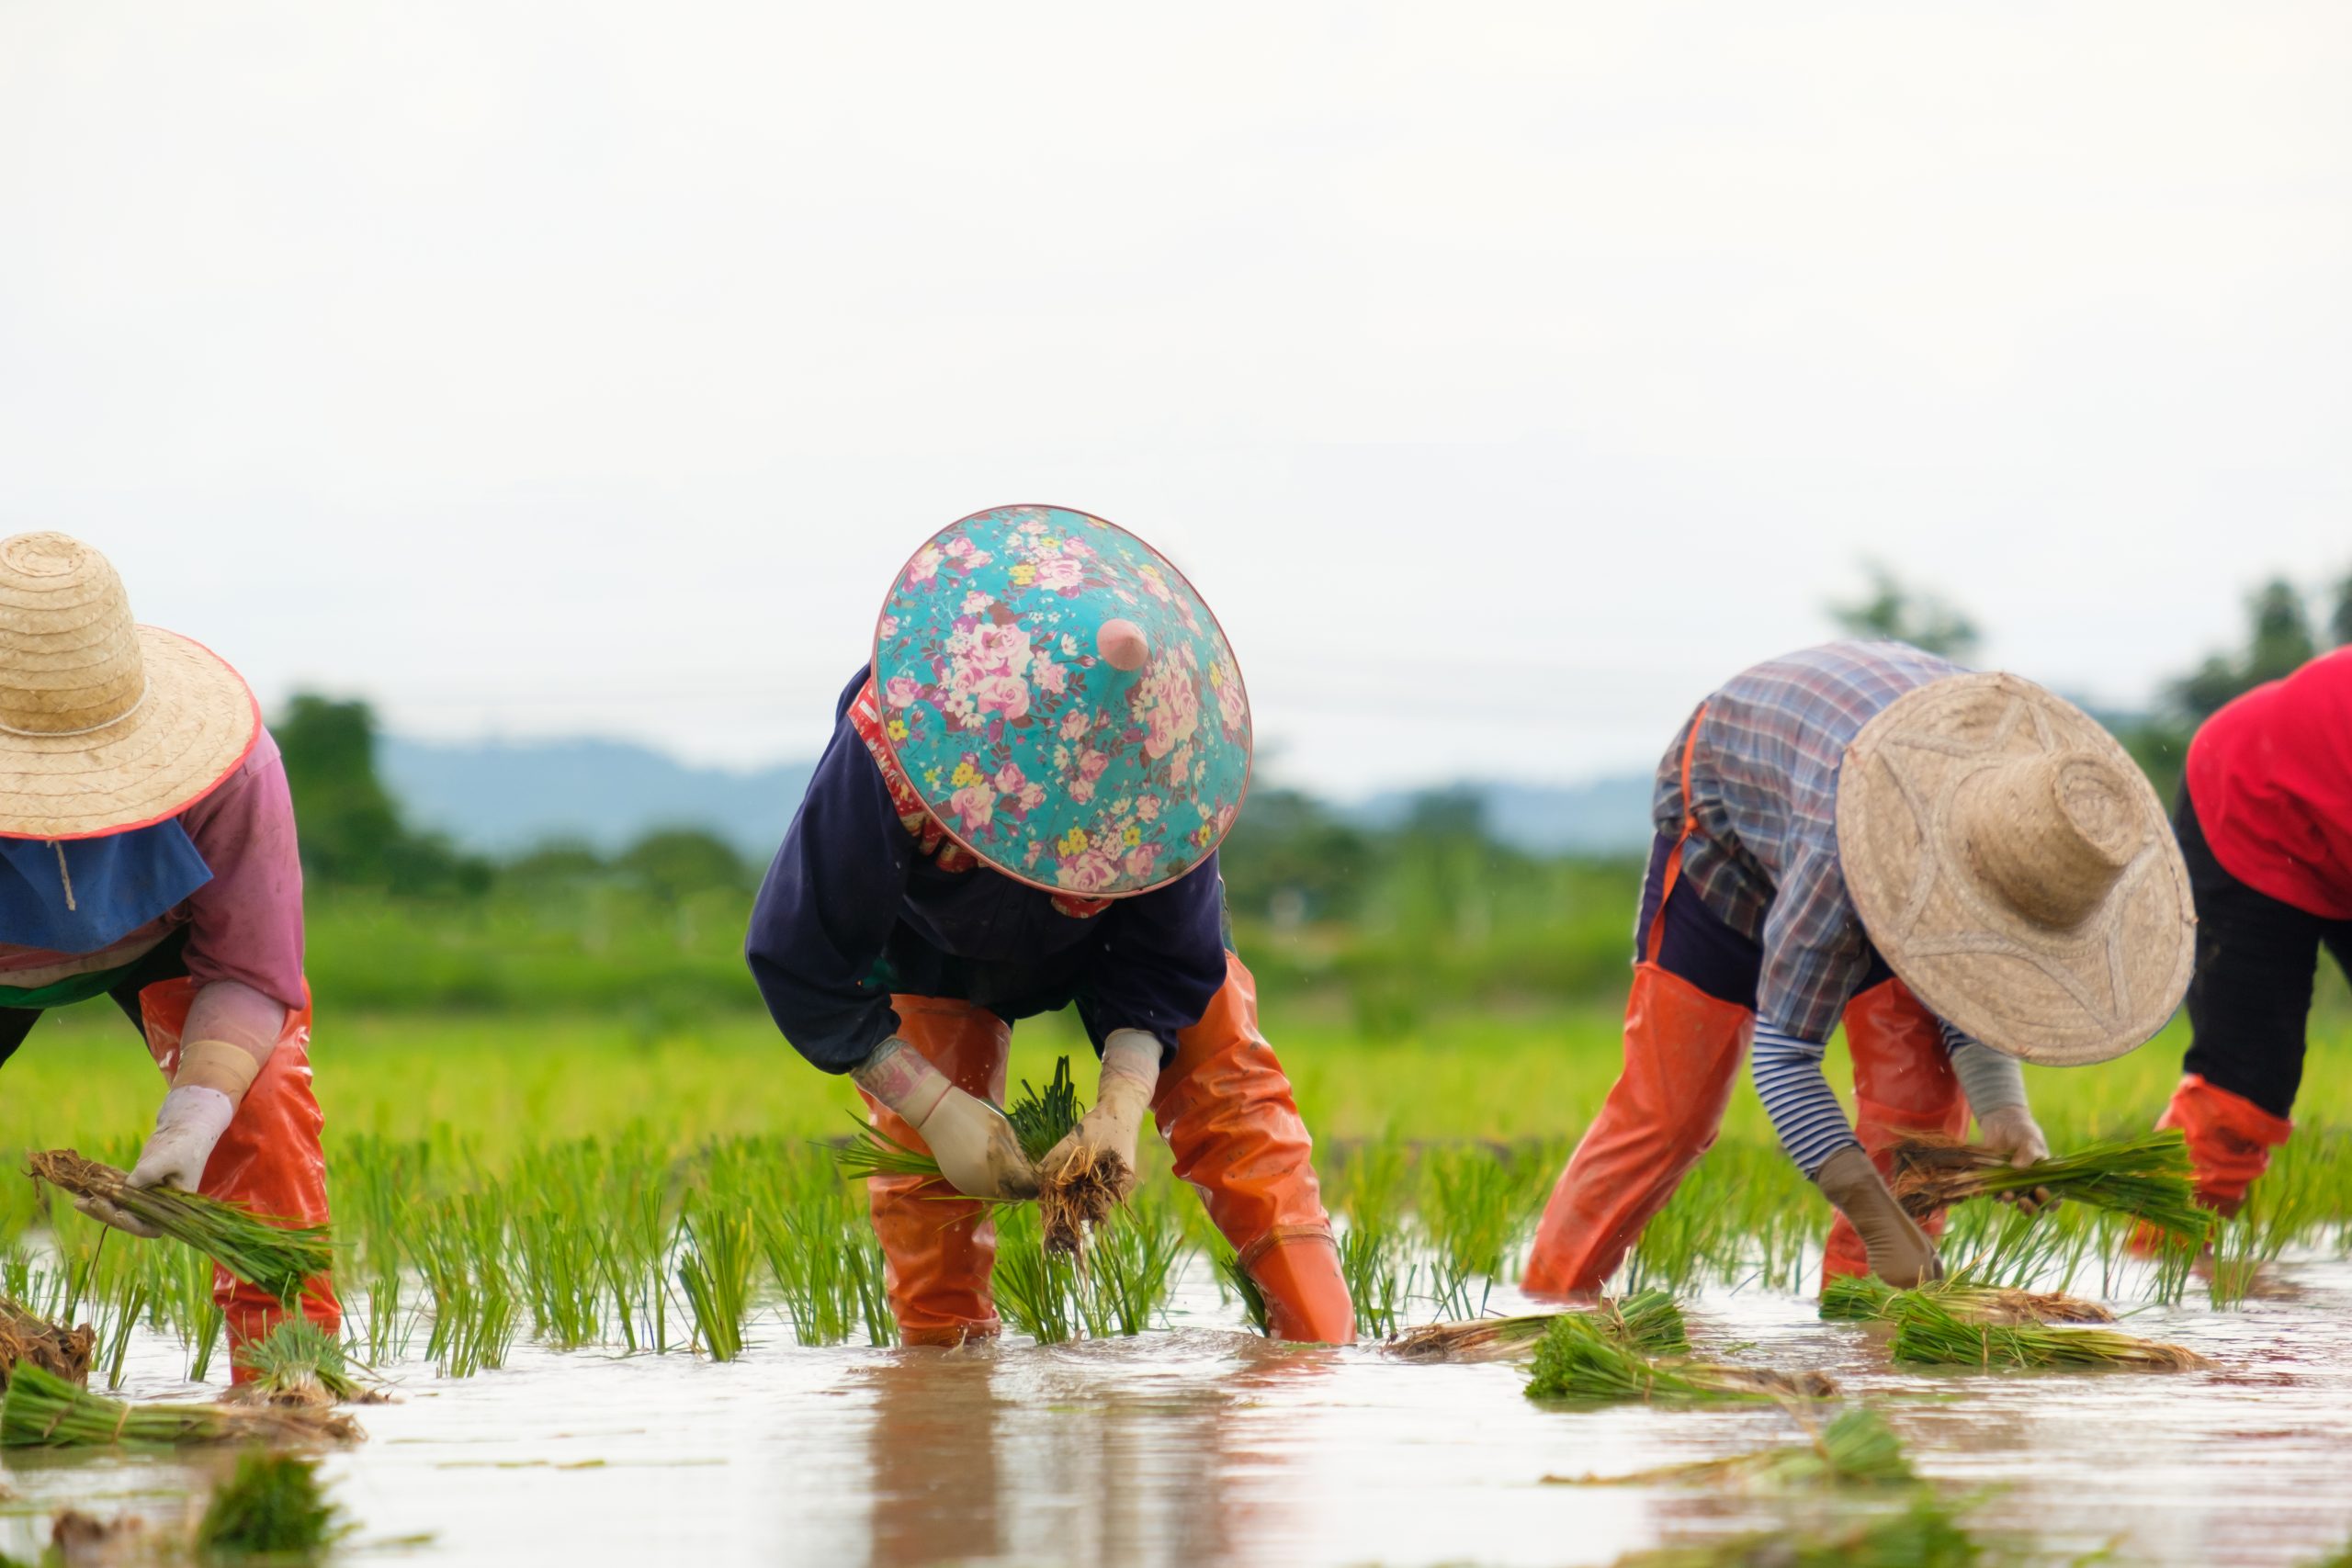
pixel 105 724
pixel 2013 866
pixel 1062 701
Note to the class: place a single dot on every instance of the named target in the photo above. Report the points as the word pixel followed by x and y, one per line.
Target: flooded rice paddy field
pixel 1203 1443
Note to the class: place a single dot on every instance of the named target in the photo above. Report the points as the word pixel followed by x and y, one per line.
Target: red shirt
pixel 2271 777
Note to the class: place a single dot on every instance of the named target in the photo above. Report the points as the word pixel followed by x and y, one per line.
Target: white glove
pixel 1122 1095
pixel 2011 1132
pixel 978 1152
pixel 187 1128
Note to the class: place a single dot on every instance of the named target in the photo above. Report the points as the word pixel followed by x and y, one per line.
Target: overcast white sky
pixel 1505 376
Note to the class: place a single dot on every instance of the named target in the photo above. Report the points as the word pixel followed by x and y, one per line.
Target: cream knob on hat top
pixel 1122 644
pixel 2050 833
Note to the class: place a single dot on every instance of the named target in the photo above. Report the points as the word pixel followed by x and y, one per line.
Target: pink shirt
pixel 247 923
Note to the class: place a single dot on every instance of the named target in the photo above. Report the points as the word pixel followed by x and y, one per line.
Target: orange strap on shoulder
pixel 1674 856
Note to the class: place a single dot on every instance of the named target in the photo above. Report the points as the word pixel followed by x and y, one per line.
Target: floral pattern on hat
pixel 1032 751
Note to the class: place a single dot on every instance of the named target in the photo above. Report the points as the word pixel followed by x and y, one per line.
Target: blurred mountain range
pixel 501 797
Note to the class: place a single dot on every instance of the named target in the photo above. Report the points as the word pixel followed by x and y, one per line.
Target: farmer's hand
pixel 1130 1073
pixel 187 1128
pixel 976 1147
pixel 1901 1253
pixel 2012 1132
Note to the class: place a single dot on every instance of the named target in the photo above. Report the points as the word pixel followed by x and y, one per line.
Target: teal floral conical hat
pixel 1062 701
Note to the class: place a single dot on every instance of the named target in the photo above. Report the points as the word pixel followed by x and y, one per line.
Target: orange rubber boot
pixel 2229 1140
pixel 1683 1053
pixel 939 1246
pixel 1903 1085
pixel 1225 1109
pixel 269 1159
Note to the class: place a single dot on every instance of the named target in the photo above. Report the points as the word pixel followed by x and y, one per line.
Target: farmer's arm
pixel 1994 1085
pixel 1814 957
pixel 1160 964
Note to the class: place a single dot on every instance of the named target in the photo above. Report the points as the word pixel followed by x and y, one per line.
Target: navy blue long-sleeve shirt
pixel 851 911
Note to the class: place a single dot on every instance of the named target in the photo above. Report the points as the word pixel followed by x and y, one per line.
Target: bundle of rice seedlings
pixel 1233 1277
pixel 1579 1361
pixel 1856 1450
pixel 1926 1534
pixel 1857 1299
pixel 1040 1118
pixel 278 1257
pixel 271 1508
pixel 715 1274
pixel 43 1411
pixel 1926 1333
pixel 27 1337
pixel 1079 1195
pixel 1648 1321
pixel 2147 1178
pixel 298 1363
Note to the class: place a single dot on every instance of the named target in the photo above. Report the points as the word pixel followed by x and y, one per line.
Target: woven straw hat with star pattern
pixel 2012 864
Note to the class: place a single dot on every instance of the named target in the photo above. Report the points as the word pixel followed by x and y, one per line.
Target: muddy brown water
pixel 1202 1444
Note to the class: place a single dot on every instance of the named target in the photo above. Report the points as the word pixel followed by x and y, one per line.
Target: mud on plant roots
pixel 28 1338
pixel 1648 1321
pixel 278 1257
pixel 1079 1196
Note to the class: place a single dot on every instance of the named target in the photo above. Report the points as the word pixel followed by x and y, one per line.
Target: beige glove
pixel 977 1151
pixel 211 1082
pixel 2011 1132
pixel 1122 1097
pixel 1901 1254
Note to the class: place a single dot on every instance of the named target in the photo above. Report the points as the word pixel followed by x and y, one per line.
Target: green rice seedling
pixel 461 1254
pixel 271 1509
pixel 2147 1178
pixel 1926 1534
pixel 715 1272
pixel 803 1243
pixel 119 1311
pixel 42 1410
pixel 1131 1267
pixel 297 1362
pixel 1372 1263
pixel 377 1184
pixel 1467 1209
pixel 634 1245
pixel 1579 1361
pixel 2289 1203
pixel 1035 1290
pixel 1244 1286
pixel 1927 1333
pixel 1649 1323
pixel 1040 1118
pixel 189 1308
pixel 1855 1300
pixel 278 1258
pixel 1856 1450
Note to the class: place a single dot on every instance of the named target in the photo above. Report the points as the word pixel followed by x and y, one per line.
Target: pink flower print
pixel 1090 764
pixel 1232 707
pixel 901 691
pixel 977 559
pixel 1052 679
pixel 1001 649
pixel 1032 796
pixel 1153 584
pixel 925 567
pixel 1082 790
pixel 975 601
pixel 960 546
pixel 1077 546
pixel 1005 697
pixel 1148 808
pixel 973 805
pixel 1009 780
pixel 1169 707
pixel 889 625
pixel 1138 861
pixel 1061 574
pixel 1073 725
pixel 1089 871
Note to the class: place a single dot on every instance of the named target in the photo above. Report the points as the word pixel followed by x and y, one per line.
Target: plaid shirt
pixel 1764 857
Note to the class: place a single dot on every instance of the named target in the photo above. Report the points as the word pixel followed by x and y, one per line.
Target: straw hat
pixel 2014 867
pixel 1062 701
pixel 105 724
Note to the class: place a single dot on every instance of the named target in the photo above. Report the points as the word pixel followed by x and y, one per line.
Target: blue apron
pixel 78 895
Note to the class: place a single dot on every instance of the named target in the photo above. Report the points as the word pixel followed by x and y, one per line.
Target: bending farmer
pixel 2264 822
pixel 147 854
pixel 1019 811
pixel 1964 868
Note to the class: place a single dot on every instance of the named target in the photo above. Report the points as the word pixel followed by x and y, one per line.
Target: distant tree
pixel 1289 853
pixel 2278 643
pixel 2339 623
pixel 347 821
pixel 1895 612
pixel 676 863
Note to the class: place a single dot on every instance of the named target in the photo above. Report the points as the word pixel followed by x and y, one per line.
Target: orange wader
pixel 1225 1109
pixel 1904 1085
pixel 1683 1050
pixel 2229 1140
pixel 269 1159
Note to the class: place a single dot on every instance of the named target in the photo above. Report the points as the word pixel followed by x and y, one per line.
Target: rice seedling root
pixel 1080 1195
pixel 29 1339
pixel 279 1259
pixel 42 1410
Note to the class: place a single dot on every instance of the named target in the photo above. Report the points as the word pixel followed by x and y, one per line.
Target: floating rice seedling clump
pixel 27 1338
pixel 1649 1323
pixel 2147 1178
pixel 1926 1333
pixel 279 1259
pixel 271 1509
pixel 1926 1534
pixel 298 1363
pixel 43 1411
pixel 1860 1299
pixel 1856 1450
pixel 1579 1361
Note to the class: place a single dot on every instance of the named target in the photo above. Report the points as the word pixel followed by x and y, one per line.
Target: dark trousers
pixel 1701 947
pixel 2250 999
pixel 164 961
